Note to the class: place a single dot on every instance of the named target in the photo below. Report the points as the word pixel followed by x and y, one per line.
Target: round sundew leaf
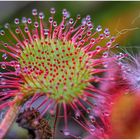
pixel 54 68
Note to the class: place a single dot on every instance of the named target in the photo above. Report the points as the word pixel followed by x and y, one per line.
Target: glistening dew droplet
pixel 66 132
pixel 4 56
pixel 2 81
pixel 3 66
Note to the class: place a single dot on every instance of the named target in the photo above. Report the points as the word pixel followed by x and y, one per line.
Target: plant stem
pixel 8 120
pixel 55 121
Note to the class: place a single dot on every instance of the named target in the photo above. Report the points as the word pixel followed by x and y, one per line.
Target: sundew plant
pixel 61 62
pixel 130 70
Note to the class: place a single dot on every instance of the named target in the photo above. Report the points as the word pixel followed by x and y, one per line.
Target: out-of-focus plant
pixel 125 116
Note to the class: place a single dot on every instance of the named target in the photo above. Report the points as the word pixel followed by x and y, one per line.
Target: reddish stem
pixel 8 120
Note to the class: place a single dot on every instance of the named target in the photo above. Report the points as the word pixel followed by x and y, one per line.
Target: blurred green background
pixel 115 15
pixel 118 16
